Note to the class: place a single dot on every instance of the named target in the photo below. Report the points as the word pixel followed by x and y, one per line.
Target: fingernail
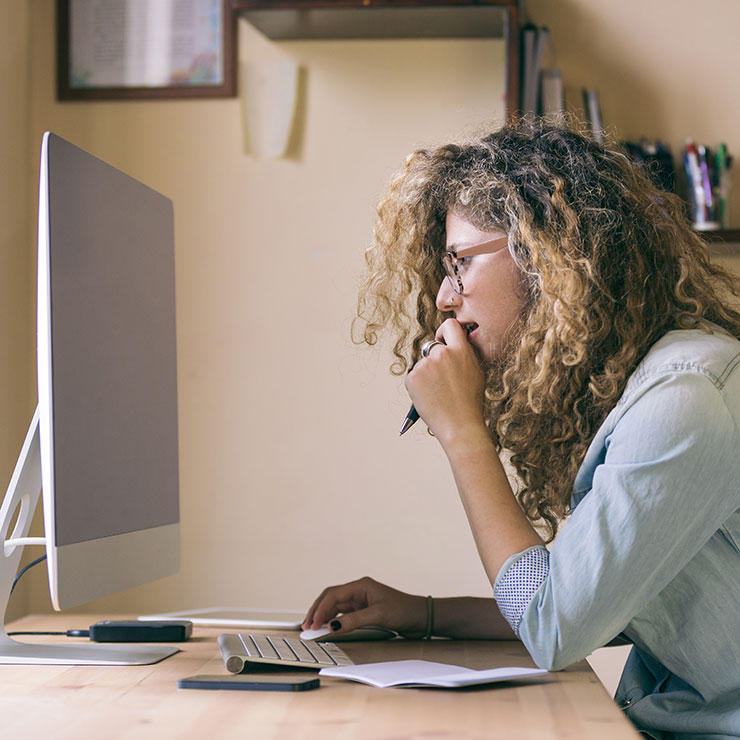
pixel 335 625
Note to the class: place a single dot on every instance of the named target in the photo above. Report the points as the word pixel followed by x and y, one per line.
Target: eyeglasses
pixel 456 263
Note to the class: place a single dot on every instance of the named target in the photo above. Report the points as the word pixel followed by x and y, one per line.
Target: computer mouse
pixel 361 634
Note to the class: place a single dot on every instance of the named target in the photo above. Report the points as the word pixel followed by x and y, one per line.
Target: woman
pixel 581 330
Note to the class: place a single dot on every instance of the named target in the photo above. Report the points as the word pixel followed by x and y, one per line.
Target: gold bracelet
pixel 430 618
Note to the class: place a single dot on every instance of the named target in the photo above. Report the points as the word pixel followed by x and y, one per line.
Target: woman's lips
pixel 470 328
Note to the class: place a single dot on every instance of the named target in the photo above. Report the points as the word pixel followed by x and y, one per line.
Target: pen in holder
pixel 708 185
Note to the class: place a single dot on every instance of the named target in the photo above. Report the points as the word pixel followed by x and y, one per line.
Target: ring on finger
pixel 426 348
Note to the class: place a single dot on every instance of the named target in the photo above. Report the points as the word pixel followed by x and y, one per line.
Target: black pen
pixel 411 418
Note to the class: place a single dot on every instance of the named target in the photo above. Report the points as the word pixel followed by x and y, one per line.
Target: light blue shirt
pixel 651 550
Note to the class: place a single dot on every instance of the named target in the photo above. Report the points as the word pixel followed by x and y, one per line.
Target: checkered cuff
pixel 518 581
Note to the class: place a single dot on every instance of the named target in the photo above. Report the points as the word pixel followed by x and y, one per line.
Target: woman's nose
pixel 447 298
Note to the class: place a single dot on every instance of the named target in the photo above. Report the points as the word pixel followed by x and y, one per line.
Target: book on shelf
pixel 542 82
pixel 529 69
pixel 552 98
pixel 592 109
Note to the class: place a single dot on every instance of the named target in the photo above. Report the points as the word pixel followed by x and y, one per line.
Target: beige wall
pixel 292 472
pixel 17 254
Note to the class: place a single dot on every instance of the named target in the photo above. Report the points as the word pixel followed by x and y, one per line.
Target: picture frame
pixel 145 49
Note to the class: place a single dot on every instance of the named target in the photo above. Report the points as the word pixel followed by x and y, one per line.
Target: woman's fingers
pixel 308 621
pixel 446 387
pixel 371 615
pixel 336 599
pixel 451 333
pixel 367 602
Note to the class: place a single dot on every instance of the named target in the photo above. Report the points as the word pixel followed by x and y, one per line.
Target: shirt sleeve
pixel 518 581
pixel 667 482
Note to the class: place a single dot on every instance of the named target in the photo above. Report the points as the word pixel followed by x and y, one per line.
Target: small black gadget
pixel 249 682
pixel 133 630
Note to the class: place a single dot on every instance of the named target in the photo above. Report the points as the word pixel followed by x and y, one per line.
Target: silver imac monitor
pixel 103 443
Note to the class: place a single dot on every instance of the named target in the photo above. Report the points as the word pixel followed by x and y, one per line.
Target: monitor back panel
pixel 113 350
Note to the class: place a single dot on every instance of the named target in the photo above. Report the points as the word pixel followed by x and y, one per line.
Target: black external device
pixel 249 682
pixel 133 630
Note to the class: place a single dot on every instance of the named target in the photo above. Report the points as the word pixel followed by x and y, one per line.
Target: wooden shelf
pixel 375 19
pixel 392 19
pixel 721 235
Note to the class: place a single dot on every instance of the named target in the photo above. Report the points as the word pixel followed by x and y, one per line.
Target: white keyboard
pixel 239 650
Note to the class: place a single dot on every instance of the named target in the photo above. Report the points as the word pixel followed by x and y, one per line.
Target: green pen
pixel 723 184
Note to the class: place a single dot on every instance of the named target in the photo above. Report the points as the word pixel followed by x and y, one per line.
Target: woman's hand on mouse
pixel 446 387
pixel 367 602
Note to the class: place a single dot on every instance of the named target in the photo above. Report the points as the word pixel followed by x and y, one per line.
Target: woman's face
pixel 492 299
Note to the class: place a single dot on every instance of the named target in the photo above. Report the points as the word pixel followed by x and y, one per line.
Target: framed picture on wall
pixel 127 49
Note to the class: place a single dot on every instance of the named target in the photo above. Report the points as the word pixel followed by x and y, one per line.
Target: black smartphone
pixel 250 682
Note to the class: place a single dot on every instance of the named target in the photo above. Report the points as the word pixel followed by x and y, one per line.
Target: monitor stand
pixel 23 493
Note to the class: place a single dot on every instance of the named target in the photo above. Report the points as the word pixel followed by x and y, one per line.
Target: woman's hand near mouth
pixel 446 387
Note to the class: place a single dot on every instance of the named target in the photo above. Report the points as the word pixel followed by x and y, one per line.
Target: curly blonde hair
pixel 608 264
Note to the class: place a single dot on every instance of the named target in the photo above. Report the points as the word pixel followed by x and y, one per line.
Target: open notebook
pixel 422 673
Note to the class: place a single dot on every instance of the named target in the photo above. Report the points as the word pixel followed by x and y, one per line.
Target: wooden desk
pixel 65 702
